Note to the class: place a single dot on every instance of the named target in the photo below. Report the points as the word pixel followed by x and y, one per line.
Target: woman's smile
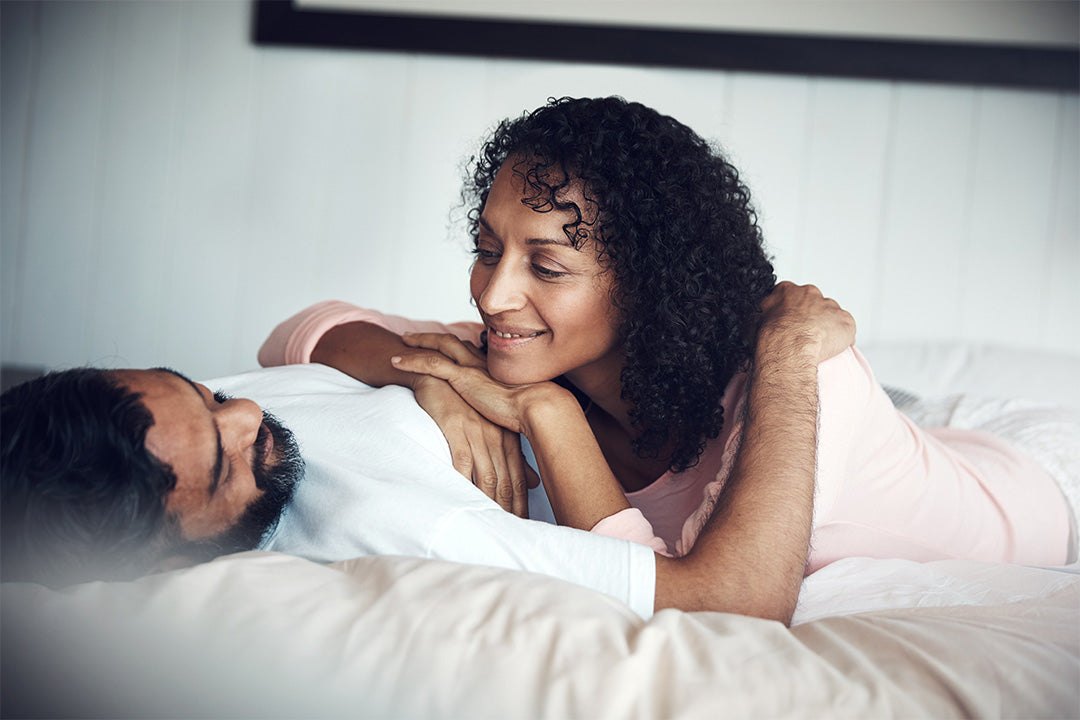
pixel 510 334
pixel 506 342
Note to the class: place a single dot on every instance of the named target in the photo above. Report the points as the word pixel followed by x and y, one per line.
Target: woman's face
pixel 546 306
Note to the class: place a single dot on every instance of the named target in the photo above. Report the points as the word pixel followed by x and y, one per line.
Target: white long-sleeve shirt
pixel 379 481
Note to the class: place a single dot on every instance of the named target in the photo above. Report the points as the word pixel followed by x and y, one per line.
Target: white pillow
pixel 935 369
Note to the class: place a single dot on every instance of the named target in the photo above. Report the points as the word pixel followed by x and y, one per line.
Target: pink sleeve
pixel 849 400
pixel 631 525
pixel 292 342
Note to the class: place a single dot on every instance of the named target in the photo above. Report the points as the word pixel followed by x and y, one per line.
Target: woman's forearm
pixel 363 350
pixel 580 485
pixel 578 482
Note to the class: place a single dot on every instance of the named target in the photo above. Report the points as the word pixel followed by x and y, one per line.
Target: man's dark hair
pixel 82 498
pixel 675 226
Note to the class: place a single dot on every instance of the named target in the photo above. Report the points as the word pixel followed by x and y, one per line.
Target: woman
pixel 618 256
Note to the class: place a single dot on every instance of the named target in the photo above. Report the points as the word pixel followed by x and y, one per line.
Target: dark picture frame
pixel 284 23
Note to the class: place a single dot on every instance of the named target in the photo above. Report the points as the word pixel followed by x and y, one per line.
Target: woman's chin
pixel 514 374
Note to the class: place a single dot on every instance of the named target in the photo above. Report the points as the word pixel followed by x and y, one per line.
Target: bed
pixel 268 635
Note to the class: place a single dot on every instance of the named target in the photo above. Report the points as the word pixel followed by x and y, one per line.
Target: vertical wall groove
pixel 14 307
pixel 882 238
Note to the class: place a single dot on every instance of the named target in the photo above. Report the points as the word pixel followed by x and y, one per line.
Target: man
pixel 155 471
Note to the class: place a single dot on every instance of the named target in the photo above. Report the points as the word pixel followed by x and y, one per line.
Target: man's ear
pixel 177 561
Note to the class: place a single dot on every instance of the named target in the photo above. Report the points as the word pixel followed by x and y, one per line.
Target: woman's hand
pixel 486 453
pixel 463 366
pixel 800 314
pixel 577 479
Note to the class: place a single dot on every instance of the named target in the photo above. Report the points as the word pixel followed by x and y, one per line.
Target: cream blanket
pixel 268 635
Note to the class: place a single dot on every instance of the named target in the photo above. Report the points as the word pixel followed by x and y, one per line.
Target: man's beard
pixel 277 478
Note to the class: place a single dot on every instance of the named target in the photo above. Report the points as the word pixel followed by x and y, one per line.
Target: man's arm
pixel 751 556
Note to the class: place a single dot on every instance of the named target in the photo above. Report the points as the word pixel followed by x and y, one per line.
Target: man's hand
pixel 800 316
pixel 488 454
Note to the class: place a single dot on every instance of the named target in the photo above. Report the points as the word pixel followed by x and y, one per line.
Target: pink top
pixel 884 486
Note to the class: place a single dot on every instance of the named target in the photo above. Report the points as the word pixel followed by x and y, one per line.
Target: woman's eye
pixel 485 256
pixel 547 272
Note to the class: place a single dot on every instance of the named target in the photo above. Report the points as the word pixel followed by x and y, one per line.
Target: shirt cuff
pixel 630 524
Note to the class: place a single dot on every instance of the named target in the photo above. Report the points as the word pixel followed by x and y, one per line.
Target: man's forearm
pixel 751 555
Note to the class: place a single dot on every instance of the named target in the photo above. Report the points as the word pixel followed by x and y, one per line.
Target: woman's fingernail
pixel 396 359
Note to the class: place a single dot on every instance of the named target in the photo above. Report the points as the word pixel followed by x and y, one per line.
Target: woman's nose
pixel 504 290
pixel 239 420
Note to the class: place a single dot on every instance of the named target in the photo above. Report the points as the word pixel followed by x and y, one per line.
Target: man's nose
pixel 504 290
pixel 239 420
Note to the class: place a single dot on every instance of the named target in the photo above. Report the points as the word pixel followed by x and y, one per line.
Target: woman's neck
pixel 633 472
pixel 603 389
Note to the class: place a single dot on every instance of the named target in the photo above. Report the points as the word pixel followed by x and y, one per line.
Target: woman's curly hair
pixel 675 226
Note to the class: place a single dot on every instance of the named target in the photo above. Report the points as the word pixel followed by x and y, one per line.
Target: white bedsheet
pixel 858 585
pixel 268 635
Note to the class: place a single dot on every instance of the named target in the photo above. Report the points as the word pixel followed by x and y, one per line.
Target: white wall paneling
pixel 765 128
pixel 171 191
pixel 61 202
pixel 925 213
pixel 18 72
pixel 212 157
pixel 1060 321
pixel 1012 194
pixel 131 268
pixel 848 132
